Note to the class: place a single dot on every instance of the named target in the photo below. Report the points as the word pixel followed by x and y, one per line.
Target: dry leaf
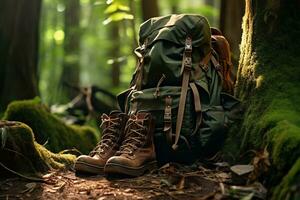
pixel 180 184
pixel 29 187
pixel 261 163
pixel 48 175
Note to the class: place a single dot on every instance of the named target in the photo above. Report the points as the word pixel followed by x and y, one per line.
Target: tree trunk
pixel 70 73
pixel 268 84
pixel 231 15
pixel 149 9
pixel 19 35
pixel 115 53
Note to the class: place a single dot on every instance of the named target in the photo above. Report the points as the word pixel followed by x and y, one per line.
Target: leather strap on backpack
pixel 168 119
pixel 139 70
pixel 197 104
pixel 186 71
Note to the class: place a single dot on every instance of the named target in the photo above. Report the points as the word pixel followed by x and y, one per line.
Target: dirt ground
pixel 172 181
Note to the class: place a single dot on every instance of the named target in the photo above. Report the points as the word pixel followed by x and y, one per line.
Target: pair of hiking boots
pixel 126 146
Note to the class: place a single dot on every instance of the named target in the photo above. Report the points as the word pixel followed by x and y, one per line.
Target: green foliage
pixel 117 10
pixel 96 43
pixel 49 129
pixel 22 154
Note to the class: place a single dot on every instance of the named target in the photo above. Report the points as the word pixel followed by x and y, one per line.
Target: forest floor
pixel 172 181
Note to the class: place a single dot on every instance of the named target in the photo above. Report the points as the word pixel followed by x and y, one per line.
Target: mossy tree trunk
pixel 19 34
pixel 70 73
pixel 268 84
pixel 21 154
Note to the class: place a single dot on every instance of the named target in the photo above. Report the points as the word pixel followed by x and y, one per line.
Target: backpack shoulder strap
pixel 186 72
pixel 222 47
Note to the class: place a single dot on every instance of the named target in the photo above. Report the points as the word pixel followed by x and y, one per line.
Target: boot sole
pixel 88 168
pixel 114 168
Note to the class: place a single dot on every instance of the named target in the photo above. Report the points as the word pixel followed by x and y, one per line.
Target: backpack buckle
pixel 188 45
pixel 168 109
pixel 188 63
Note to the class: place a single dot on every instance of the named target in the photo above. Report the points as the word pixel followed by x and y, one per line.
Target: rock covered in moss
pixel 49 129
pixel 21 153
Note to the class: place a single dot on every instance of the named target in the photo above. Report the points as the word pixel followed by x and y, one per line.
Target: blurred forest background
pixel 49 45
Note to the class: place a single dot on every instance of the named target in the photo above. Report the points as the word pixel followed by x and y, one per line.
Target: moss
pixel 268 84
pixel 289 187
pixel 21 153
pixel 49 129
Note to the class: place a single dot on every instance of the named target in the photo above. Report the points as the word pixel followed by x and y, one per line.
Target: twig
pixel 21 175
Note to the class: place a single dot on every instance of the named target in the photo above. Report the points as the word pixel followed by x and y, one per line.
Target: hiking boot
pixel 137 153
pixel 112 135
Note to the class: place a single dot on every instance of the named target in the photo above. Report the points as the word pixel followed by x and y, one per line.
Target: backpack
pixel 184 80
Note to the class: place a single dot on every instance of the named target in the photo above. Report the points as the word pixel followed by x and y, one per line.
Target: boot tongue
pixel 140 116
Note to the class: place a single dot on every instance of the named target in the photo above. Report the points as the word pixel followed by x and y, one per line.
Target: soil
pixel 172 181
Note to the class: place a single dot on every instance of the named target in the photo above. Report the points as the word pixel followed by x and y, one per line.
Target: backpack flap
pixel 165 39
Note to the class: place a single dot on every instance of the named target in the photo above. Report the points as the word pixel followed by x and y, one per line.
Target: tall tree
pixel 149 9
pixel 268 84
pixel 19 36
pixel 231 15
pixel 70 73
pixel 115 53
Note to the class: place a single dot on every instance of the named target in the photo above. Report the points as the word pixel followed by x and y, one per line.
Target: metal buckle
pixel 168 109
pixel 188 45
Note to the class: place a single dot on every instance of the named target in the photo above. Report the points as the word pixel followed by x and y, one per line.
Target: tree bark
pixel 115 53
pixel 71 68
pixel 231 15
pixel 268 84
pixel 149 9
pixel 19 35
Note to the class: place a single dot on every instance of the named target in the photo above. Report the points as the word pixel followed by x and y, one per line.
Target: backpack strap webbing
pixel 186 71
pixel 197 104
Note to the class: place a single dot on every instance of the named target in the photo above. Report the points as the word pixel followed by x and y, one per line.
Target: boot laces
pixel 135 136
pixel 110 135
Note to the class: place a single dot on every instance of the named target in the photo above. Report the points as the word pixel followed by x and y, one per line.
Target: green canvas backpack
pixel 180 80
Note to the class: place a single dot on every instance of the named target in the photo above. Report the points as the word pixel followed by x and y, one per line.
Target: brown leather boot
pixel 137 153
pixel 112 135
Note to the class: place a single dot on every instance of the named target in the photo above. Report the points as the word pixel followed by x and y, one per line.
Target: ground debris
pixel 171 181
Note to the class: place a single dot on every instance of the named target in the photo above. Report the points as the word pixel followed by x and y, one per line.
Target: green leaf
pixel 119 16
pixel 114 7
pixel 3 137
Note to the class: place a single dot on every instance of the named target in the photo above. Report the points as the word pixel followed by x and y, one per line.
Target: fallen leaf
pixel 29 187
pixel 221 164
pixel 180 184
pixel 223 176
pixel 261 163
pixel 50 190
pixel 49 175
